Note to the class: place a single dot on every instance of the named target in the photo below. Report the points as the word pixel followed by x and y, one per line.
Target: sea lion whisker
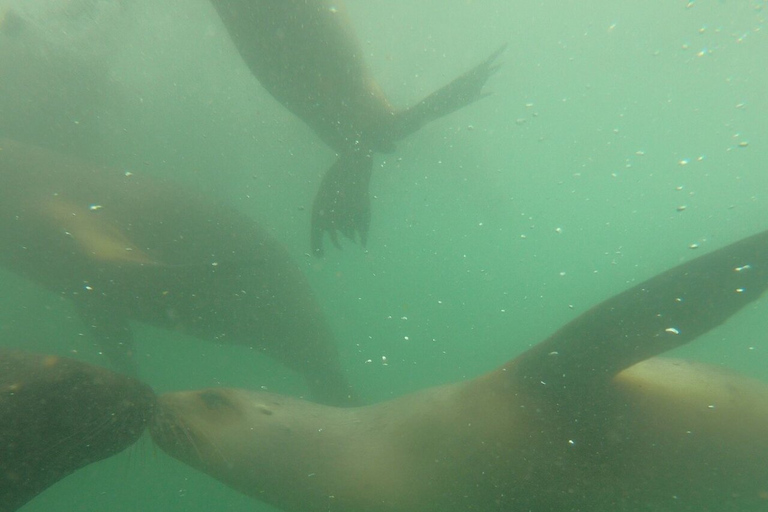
pixel 173 427
pixel 206 438
pixel 85 433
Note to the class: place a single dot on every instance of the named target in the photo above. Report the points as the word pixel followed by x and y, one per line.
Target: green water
pixel 491 227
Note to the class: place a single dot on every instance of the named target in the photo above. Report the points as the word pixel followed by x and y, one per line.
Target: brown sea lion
pixel 587 420
pixel 127 248
pixel 58 415
pixel 306 54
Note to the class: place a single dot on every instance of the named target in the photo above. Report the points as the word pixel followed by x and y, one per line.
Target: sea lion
pixel 125 247
pixel 58 415
pixel 306 55
pixel 587 420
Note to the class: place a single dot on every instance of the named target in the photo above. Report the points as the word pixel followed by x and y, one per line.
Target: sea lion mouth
pixel 167 429
pixel 177 437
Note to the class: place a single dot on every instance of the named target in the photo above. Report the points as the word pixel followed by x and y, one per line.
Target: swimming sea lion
pixel 305 54
pixel 587 420
pixel 125 247
pixel 58 415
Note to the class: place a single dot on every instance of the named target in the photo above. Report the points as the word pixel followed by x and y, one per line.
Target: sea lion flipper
pixel 342 203
pixel 462 91
pixel 662 313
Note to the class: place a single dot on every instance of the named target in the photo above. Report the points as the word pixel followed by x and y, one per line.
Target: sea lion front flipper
pixel 462 91
pixel 662 313
pixel 342 203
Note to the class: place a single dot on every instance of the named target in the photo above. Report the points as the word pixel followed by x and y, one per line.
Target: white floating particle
pixel 742 268
pixel 684 161
pixel 693 246
pixel 95 207
pixel 672 330
pixel 739 290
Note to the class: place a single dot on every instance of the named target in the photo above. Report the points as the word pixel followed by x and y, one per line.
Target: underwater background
pixel 621 138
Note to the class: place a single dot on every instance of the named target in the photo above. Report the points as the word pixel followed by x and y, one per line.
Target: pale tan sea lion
pixel 306 54
pixel 125 247
pixel 58 415
pixel 588 420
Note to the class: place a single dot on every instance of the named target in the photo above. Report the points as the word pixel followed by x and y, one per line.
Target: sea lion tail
pixel 662 313
pixel 462 91
pixel 342 203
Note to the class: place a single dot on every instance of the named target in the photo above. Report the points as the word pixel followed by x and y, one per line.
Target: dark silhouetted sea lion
pixel 58 415
pixel 125 247
pixel 587 420
pixel 306 54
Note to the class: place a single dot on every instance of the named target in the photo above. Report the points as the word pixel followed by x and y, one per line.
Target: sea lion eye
pixel 213 399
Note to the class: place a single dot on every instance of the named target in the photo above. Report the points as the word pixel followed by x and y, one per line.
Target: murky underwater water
pixel 620 139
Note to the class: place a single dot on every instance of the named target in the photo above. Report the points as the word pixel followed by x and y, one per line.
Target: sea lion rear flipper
pixel 342 203
pixel 662 313
pixel 462 91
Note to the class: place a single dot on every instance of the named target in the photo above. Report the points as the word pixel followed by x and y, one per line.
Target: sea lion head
pixel 57 415
pixel 199 427
pixel 255 441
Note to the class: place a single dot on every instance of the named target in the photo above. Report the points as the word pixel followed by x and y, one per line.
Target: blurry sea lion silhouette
pixel 306 54
pixel 127 248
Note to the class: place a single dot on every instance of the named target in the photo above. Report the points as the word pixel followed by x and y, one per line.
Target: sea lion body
pixel 125 247
pixel 306 55
pixel 588 419
pixel 58 415
pixel 671 440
